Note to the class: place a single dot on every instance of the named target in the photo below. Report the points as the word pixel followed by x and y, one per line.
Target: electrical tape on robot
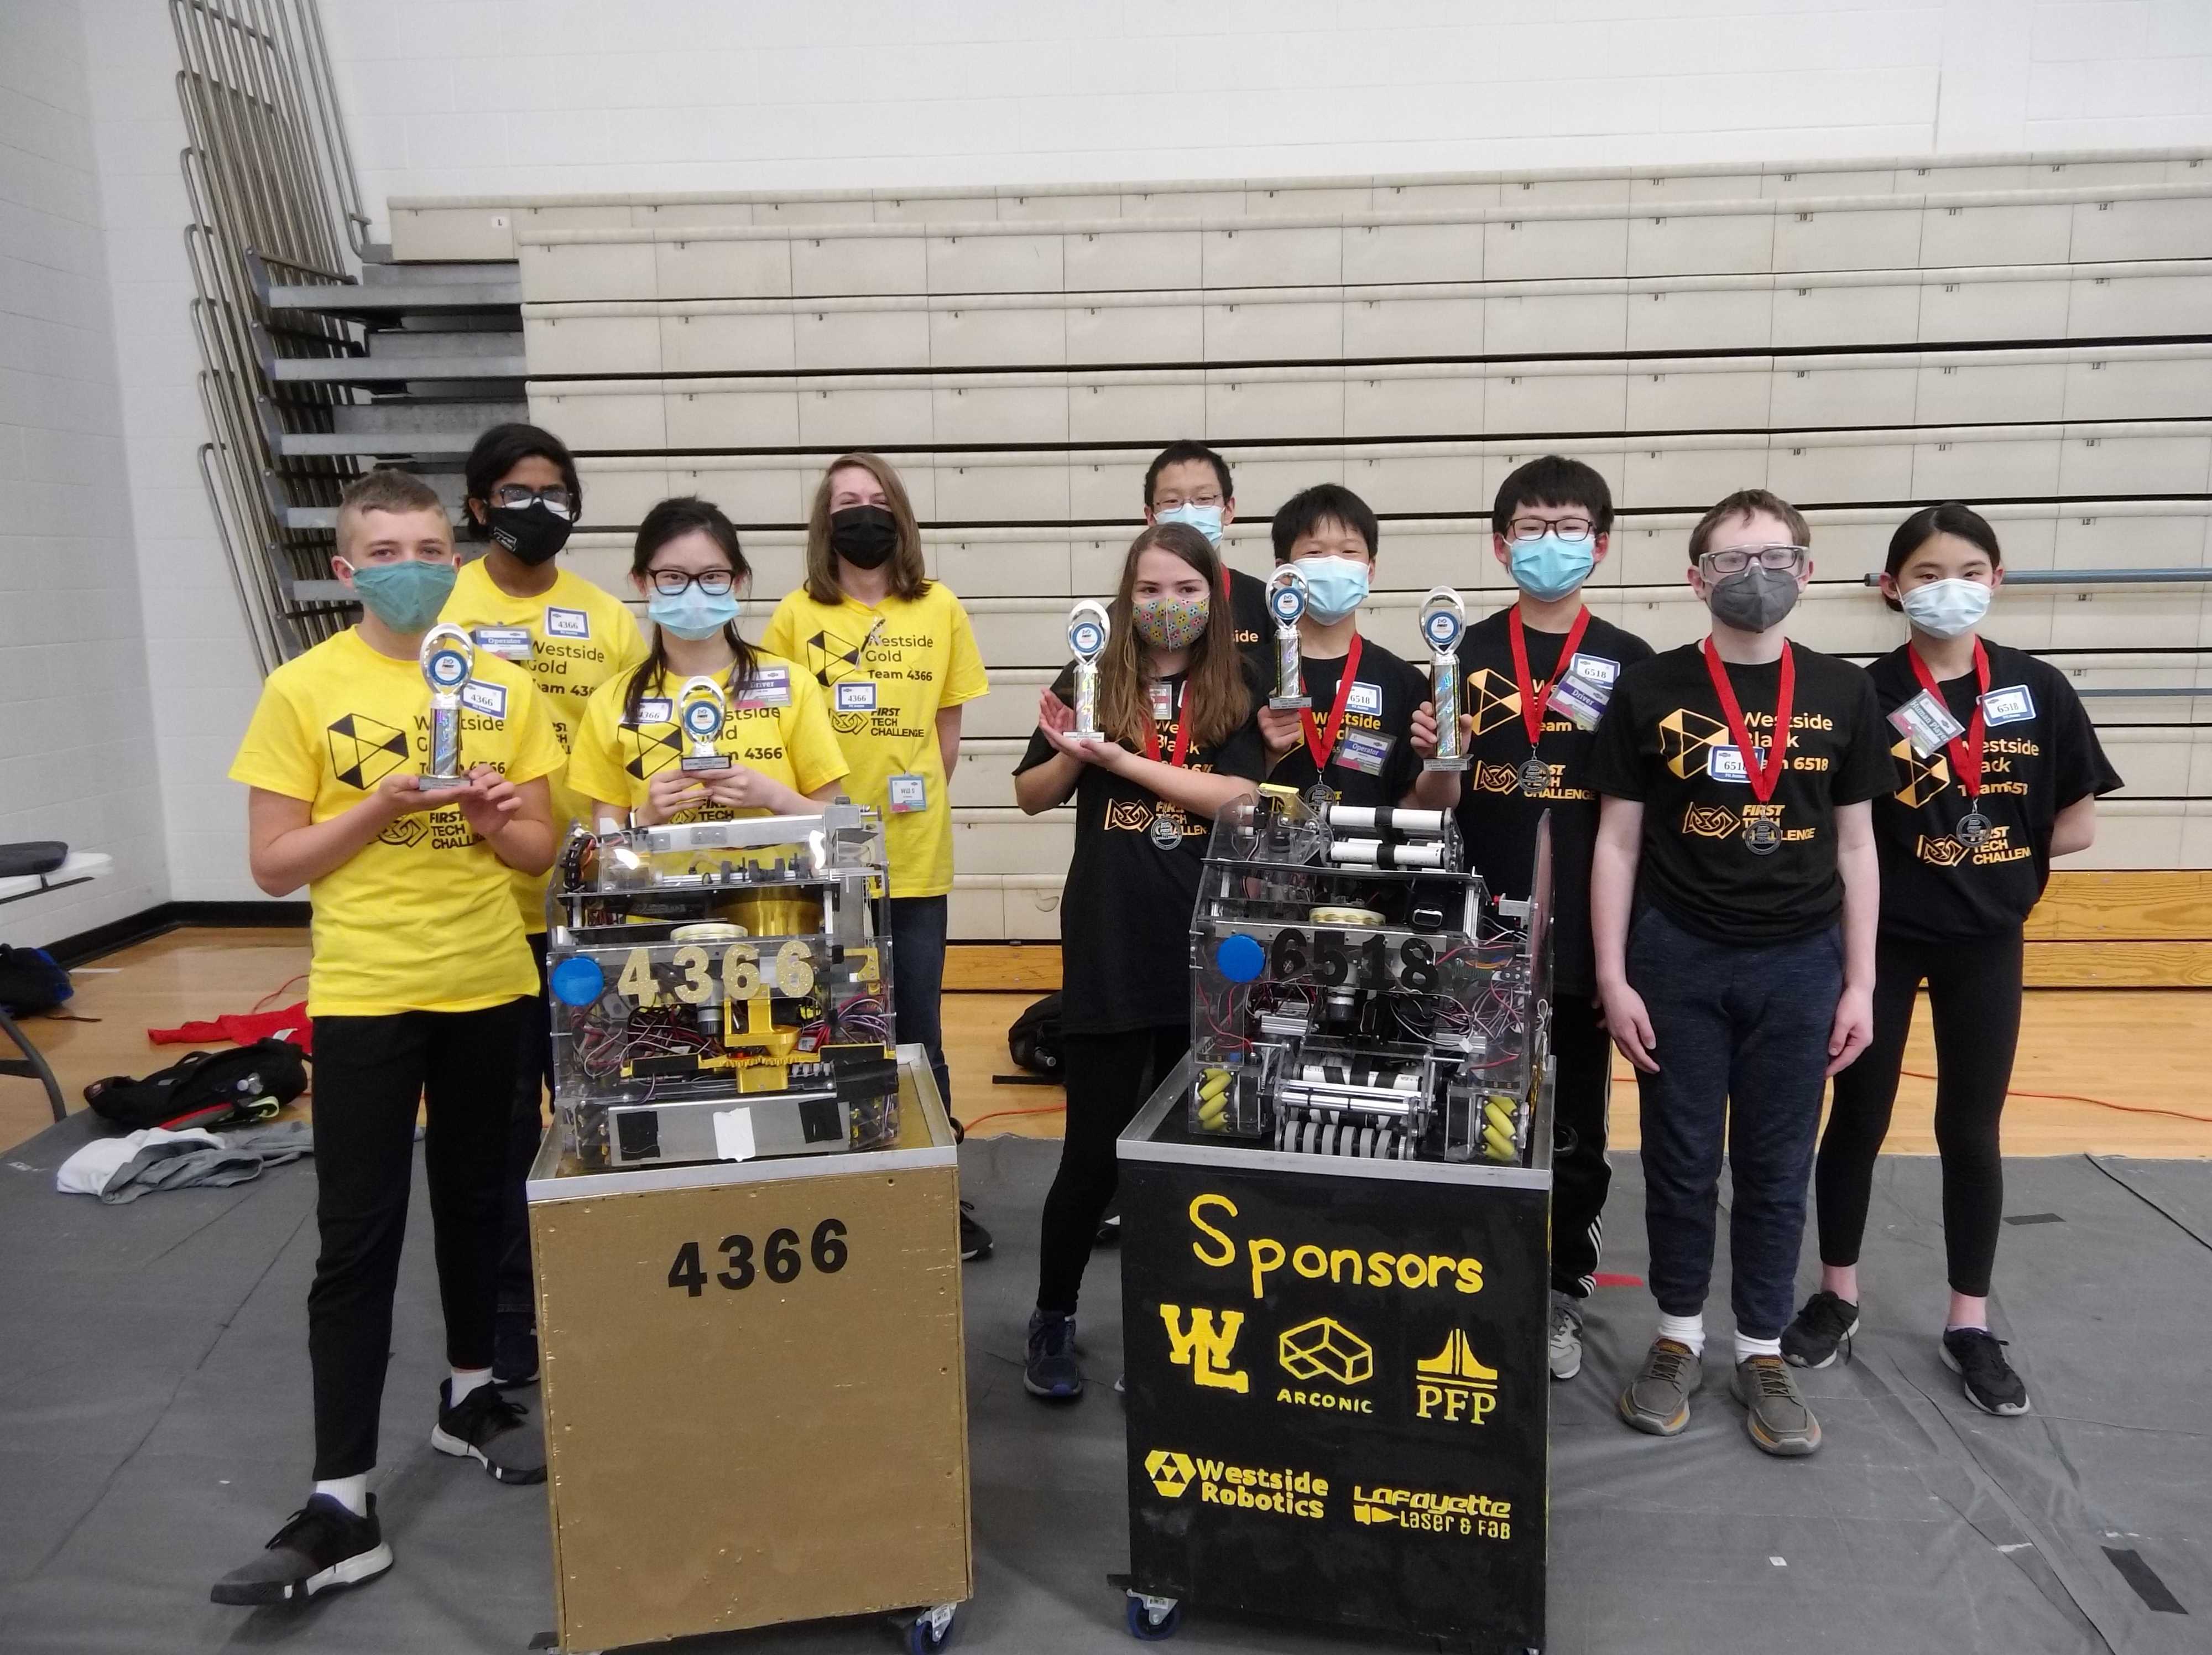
pixel 1388 818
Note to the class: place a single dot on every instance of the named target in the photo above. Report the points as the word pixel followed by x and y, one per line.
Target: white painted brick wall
pixel 78 758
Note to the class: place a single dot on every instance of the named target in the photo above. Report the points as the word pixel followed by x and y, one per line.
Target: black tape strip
pixel 2154 1592
pixel 2033 1218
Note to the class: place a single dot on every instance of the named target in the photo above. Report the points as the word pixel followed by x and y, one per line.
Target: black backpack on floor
pixel 205 1088
pixel 1033 1042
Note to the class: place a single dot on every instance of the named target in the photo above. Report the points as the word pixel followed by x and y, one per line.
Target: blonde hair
pixel 909 579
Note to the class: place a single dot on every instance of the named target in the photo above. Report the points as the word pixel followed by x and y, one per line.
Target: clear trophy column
pixel 1286 602
pixel 447 658
pixel 700 709
pixel 1444 619
pixel 1088 628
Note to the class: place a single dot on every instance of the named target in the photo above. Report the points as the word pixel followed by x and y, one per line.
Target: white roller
pixel 1388 818
pixel 1373 853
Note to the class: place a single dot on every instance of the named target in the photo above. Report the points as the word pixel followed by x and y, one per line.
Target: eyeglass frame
pixel 685 580
pixel 1799 556
pixel 1165 503
pixel 1549 526
pixel 517 496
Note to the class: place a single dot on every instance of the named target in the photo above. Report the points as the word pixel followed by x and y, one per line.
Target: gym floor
pixel 2099 1071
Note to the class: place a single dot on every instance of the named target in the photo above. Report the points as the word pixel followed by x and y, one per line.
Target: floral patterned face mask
pixel 1170 622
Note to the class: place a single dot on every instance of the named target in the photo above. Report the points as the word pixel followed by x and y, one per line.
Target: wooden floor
pixel 2137 1050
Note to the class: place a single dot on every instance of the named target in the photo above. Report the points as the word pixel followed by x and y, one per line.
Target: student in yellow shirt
pixel 570 636
pixel 893 650
pixel 419 984
pixel 627 761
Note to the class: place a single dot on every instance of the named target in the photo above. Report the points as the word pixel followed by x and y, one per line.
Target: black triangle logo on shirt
pixel 364 752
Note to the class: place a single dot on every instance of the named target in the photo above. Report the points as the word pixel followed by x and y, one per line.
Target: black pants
pixel 534 1075
pixel 1973 990
pixel 1580 1173
pixel 918 932
pixel 370 1073
pixel 1108 1078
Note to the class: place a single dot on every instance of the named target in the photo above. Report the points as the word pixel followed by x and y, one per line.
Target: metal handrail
pixel 2091 577
pixel 326 106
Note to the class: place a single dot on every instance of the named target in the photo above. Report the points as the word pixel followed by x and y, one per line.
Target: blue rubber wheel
pixel 922 1637
pixel 1145 1629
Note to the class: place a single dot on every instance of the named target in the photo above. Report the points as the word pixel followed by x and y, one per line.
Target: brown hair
pixel 386 490
pixel 1747 503
pixel 1215 700
pixel 910 580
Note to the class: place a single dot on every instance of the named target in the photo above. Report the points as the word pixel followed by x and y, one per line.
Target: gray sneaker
pixel 1775 1413
pixel 1657 1399
pixel 1566 1335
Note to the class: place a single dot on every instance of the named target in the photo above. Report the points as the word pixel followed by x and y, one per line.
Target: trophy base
pixel 1459 764
pixel 435 783
pixel 712 762
pixel 1086 735
pixel 1290 704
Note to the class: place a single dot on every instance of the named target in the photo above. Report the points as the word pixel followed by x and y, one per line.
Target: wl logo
pixel 1452 1386
pixel 1205 1349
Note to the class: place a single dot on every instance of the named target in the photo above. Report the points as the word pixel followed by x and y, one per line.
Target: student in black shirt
pixel 1356 739
pixel 1736 776
pixel 2001 771
pixel 1179 747
pixel 1189 483
pixel 1550 526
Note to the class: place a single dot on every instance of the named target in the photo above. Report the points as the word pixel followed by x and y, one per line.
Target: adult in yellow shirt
pixel 570 637
pixel 627 760
pixel 419 982
pixel 893 650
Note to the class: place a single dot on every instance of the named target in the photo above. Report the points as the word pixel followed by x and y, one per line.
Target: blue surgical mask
pixel 1207 520
pixel 1335 586
pixel 405 596
pixel 1549 568
pixel 1946 609
pixel 692 614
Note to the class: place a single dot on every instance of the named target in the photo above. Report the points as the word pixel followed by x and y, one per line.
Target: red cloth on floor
pixel 245 1027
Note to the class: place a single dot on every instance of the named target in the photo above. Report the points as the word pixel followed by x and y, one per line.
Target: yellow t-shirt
pixel 423 917
pixel 779 727
pixel 571 638
pixel 888 670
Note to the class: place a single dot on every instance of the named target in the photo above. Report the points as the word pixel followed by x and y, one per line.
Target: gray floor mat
pixel 153 1395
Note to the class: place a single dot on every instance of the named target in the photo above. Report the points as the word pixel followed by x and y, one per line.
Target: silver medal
pixel 1973 828
pixel 1762 835
pixel 1319 797
pixel 1535 778
pixel 1166 831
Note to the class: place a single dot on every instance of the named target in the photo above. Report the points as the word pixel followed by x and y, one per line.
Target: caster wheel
pixel 930 1630
pixel 1149 1627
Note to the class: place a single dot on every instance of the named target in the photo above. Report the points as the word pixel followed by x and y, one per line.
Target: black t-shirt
pixel 2040 754
pixel 1373 761
pixel 1124 912
pixel 1663 737
pixel 1497 819
pixel 1255 628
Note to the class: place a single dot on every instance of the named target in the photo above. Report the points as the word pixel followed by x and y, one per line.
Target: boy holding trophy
pixel 418 983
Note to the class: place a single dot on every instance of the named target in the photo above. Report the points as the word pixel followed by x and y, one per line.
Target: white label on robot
pixel 733 1134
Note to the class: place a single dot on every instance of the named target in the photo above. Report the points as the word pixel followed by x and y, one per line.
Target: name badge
pixel 1927 723
pixel 857 695
pixel 1580 700
pixel 1363 751
pixel 1364 698
pixel 1162 702
pixel 2010 705
pixel 1596 669
pixel 489 699
pixel 1725 765
pixel 655 710
pixel 908 793
pixel 508 643
pixel 566 623
pixel 770 686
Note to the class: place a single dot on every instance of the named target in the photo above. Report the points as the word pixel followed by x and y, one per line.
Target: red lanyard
pixel 1225 581
pixel 1765 774
pixel 1532 693
pixel 1966 755
pixel 1321 739
pixel 1182 735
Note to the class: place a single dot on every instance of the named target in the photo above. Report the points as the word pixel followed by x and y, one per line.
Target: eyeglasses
pixel 1535 528
pixel 1170 500
pixel 1734 560
pixel 515 495
pixel 714 583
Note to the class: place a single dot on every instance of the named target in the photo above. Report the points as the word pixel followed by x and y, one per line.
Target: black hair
pixel 1924 525
pixel 1553 480
pixel 1178 454
pixel 665 522
pixel 503 447
pixel 1324 502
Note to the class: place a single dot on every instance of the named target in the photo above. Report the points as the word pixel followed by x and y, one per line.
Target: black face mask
pixel 863 536
pixel 534 533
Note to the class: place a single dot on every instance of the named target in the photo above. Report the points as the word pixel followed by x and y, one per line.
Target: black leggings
pixel 370 1073
pixel 1108 1078
pixel 1973 990
pixel 1580 1173
pixel 533 1077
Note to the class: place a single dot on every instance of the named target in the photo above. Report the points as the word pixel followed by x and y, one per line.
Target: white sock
pixel 352 1492
pixel 465 1380
pixel 1748 1347
pixel 1685 1331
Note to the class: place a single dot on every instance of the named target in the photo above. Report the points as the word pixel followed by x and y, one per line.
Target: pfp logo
pixel 1454 1387
pixel 1171 1473
pixel 1205 1349
pixel 1326 1348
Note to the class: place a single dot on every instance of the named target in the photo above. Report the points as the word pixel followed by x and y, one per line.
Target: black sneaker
pixel 974 1239
pixel 321 1545
pixel 1822 1330
pixel 515 1348
pixel 1051 1371
pixel 1978 1357
pixel 492 1431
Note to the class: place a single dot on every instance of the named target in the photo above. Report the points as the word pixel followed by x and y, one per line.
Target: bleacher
pixel 2030 334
